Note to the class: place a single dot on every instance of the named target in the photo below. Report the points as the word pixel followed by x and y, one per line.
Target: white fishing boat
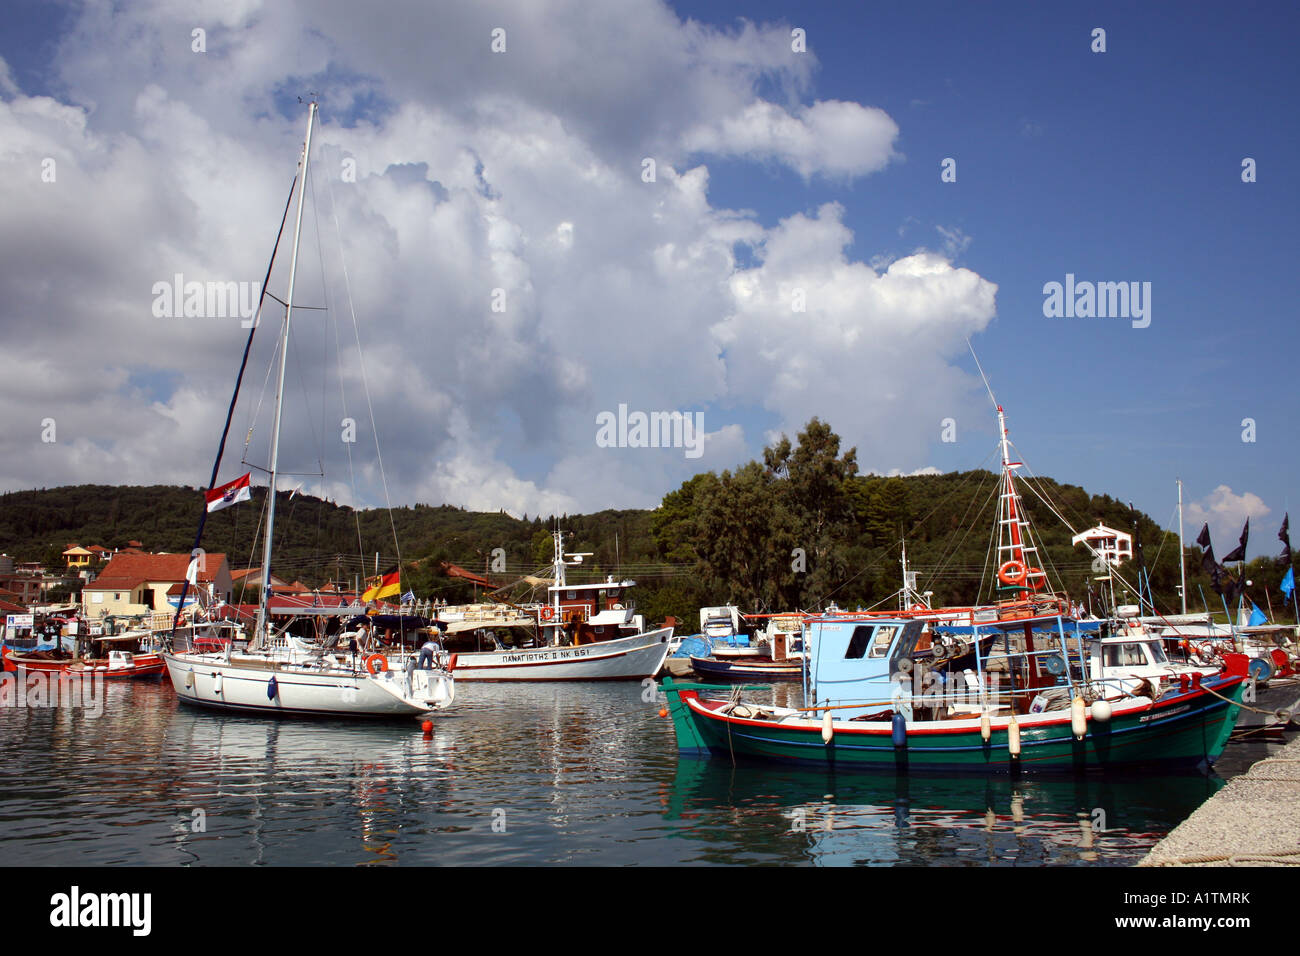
pixel 584 632
pixel 274 673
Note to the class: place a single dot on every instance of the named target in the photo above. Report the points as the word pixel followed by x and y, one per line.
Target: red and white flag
pixel 228 494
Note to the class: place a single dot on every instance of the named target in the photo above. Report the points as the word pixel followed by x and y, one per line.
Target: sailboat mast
pixel 1182 570
pixel 261 628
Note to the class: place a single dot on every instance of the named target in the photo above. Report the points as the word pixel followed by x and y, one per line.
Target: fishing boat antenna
pixel 981 371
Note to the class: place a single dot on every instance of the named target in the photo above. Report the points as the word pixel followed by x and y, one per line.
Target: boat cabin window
pixel 570 595
pixel 858 643
pixel 1157 653
pixel 871 642
pixel 907 643
pixel 884 637
pixel 1122 655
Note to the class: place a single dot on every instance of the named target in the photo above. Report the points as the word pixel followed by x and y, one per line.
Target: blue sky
pixel 777 173
pixel 1123 165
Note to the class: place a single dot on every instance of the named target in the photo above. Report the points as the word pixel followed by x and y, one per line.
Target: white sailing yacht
pixel 277 674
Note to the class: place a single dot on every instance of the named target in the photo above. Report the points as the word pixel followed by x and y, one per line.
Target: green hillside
pixel 797 530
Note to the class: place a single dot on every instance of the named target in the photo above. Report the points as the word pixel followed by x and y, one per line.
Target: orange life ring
pixel 1012 572
pixel 918 607
pixel 1035 580
pixel 548 612
pixel 370 663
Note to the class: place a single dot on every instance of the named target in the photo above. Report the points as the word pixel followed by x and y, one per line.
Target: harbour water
pixel 525 775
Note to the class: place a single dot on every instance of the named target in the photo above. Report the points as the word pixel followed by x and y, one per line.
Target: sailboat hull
pixel 209 680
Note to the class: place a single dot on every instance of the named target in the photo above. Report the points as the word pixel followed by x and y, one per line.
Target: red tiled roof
pixel 128 569
pixel 456 571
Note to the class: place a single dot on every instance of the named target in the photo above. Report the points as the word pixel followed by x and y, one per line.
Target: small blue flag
pixel 1256 617
pixel 1288 582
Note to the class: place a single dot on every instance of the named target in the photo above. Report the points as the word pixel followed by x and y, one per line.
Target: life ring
pixel 1035 580
pixel 451 663
pixel 370 663
pixel 918 607
pixel 548 612
pixel 1206 651
pixel 1012 572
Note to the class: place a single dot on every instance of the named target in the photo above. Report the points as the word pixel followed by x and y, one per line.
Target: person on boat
pixel 429 651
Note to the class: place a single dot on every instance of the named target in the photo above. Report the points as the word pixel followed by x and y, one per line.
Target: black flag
pixel 1285 537
pixel 1208 564
pixel 1239 553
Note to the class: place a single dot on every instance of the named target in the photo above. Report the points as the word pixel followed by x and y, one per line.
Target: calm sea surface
pixel 525 774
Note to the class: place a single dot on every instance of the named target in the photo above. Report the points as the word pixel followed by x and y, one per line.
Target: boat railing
pixel 1012 680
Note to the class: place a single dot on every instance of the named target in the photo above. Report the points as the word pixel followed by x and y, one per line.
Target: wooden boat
pixel 865 718
pixel 747 669
pixel 777 654
pixel 876 698
pixel 116 665
pixel 584 633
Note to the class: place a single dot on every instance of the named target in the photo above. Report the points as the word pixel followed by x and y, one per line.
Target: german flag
pixel 381 587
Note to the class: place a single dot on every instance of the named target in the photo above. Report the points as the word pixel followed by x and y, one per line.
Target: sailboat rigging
pixel 277 673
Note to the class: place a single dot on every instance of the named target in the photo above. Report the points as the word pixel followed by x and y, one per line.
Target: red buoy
pixel 427 727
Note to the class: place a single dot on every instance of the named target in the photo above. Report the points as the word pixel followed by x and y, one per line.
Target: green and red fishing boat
pixel 1020 696
pixel 1186 726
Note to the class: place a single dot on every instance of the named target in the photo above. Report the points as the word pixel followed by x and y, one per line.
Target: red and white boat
pixel 116 663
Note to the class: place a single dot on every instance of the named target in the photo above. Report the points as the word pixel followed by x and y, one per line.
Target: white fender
pixel 216 683
pixel 1078 718
pixel 1013 737
pixel 828 728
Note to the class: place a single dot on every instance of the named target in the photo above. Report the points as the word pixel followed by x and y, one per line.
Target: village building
pixel 76 557
pixel 134 582
pixel 1111 546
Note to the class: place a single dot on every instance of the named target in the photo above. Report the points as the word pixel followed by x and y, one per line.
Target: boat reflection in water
pixel 811 816
pixel 568 773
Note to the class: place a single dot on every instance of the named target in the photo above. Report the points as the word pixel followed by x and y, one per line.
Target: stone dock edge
pixel 1253 821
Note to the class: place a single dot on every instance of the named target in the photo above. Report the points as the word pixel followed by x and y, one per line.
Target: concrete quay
pixel 1253 821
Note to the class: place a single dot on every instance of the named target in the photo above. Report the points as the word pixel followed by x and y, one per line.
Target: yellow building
pixel 138 583
pixel 77 557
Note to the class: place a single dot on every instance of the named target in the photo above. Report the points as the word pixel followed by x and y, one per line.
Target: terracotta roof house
pixel 135 583
pixel 253 577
